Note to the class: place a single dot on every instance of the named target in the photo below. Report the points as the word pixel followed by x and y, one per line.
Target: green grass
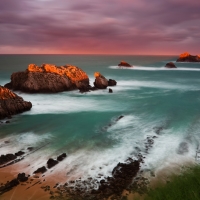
pixel 180 187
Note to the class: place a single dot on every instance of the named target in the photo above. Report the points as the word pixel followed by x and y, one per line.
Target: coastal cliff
pixel 11 104
pixel 48 78
pixel 186 57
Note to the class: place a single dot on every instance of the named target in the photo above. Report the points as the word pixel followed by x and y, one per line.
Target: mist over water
pixel 86 126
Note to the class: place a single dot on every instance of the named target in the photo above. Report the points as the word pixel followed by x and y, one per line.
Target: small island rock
pixel 124 64
pixel 170 65
pixel 186 57
pixel 11 103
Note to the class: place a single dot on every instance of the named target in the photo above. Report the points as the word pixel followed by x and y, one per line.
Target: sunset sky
pixel 100 27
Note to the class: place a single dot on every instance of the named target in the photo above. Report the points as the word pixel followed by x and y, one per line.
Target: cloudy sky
pixel 100 27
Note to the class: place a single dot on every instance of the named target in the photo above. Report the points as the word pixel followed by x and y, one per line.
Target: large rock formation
pixel 186 57
pixel 48 78
pixel 11 104
pixel 124 64
pixel 170 65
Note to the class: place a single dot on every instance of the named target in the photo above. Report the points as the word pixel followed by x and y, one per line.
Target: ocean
pixel 155 102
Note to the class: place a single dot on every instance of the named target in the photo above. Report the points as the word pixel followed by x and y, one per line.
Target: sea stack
pixel 124 64
pixel 48 78
pixel 186 57
pixel 100 81
pixel 11 103
pixel 170 65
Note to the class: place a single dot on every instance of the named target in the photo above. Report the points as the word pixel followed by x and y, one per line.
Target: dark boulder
pixel 61 157
pixel 40 170
pixel 112 82
pixel 186 57
pixel 51 162
pixel 170 65
pixel 124 64
pixel 110 90
pixel 19 153
pixel 22 177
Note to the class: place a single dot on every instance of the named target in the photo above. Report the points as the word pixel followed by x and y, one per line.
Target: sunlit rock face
pixel 186 57
pixel 100 81
pixel 11 104
pixel 124 64
pixel 48 78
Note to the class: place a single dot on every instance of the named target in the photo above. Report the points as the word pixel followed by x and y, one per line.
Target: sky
pixel 134 27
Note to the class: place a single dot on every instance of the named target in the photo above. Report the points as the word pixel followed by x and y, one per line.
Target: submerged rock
pixel 112 82
pixel 170 65
pixel 11 103
pixel 124 64
pixel 48 78
pixel 186 57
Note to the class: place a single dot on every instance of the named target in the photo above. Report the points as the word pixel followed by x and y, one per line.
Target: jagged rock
pixel 11 103
pixel 112 82
pixel 22 177
pixel 110 90
pixel 61 157
pixel 51 162
pixel 8 186
pixel 100 81
pixel 19 153
pixel 170 65
pixel 186 57
pixel 122 176
pixel 124 64
pixel 6 158
pixel 49 78
pixel 40 170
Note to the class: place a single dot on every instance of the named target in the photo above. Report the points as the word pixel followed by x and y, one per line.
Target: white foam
pixel 156 68
pixel 135 84
pixel 68 102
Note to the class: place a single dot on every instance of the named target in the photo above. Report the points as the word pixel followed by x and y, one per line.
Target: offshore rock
pixel 100 81
pixel 124 64
pixel 186 57
pixel 48 79
pixel 11 103
pixel 170 65
pixel 112 82
pixel 110 90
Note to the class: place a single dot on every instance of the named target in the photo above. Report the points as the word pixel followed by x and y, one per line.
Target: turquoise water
pixel 85 127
